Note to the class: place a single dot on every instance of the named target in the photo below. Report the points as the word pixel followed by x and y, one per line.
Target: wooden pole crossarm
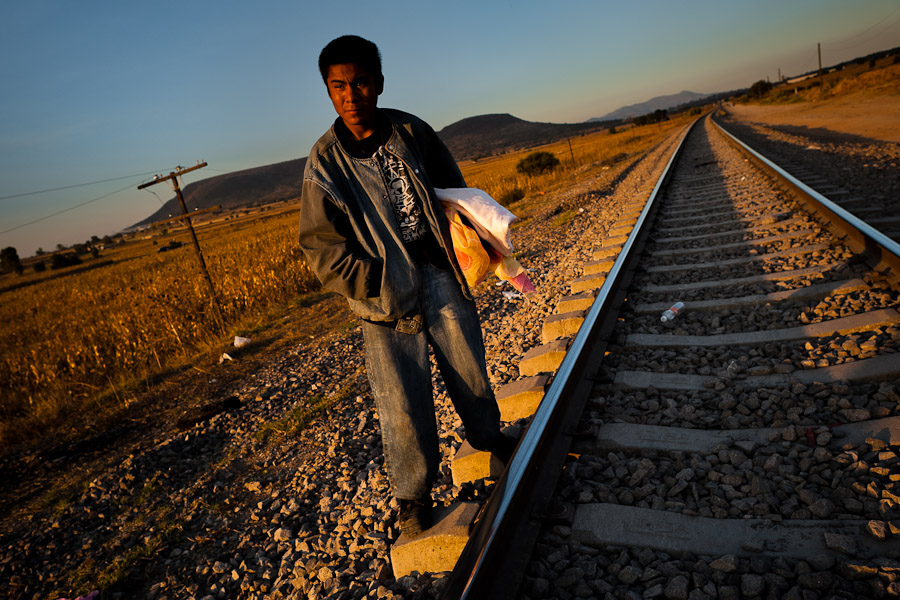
pixel 181 171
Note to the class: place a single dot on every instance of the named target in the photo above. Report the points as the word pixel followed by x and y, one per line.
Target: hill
pixel 657 103
pixel 249 187
pixel 486 135
pixel 467 139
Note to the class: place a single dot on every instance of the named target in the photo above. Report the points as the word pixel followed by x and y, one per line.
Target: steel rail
pixel 861 237
pixel 491 564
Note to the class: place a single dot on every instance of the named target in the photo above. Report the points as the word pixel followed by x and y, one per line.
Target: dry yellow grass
pixel 880 80
pixel 579 157
pixel 885 80
pixel 95 333
pixel 84 339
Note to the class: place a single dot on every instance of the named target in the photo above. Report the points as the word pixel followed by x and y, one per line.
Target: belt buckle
pixel 409 325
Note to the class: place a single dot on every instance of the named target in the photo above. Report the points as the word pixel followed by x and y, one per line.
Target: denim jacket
pixel 348 230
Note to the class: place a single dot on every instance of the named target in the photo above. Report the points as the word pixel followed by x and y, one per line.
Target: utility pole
pixel 819 46
pixel 173 178
pixel 572 154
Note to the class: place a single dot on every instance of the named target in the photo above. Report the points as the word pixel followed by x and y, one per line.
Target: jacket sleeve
pixel 331 247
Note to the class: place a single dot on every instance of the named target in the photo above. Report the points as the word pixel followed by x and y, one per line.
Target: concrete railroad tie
pixel 878 368
pixel 867 321
pixel 675 533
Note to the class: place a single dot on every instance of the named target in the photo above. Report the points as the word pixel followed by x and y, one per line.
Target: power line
pixel 76 185
pixel 841 44
pixel 80 204
pixel 65 210
pixel 157 197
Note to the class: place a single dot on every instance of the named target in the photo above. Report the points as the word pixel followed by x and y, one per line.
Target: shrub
pixel 61 261
pixel 537 163
pixel 760 88
pixel 510 196
pixel 657 116
pixel 40 266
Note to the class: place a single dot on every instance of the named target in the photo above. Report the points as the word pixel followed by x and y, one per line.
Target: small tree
pixel 537 163
pixel 9 260
pixel 760 88
pixel 40 266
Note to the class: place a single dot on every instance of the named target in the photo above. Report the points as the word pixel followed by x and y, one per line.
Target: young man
pixel 373 231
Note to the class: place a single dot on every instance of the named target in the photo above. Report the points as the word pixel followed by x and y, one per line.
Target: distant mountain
pixel 643 108
pixel 486 135
pixel 259 185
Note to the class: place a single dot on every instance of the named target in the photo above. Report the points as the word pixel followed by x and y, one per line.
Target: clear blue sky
pixel 100 90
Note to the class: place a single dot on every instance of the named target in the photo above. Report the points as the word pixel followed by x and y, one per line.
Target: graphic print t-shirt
pixel 421 244
pixel 409 214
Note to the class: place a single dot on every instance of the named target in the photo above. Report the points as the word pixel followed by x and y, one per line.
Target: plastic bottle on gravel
pixel 669 314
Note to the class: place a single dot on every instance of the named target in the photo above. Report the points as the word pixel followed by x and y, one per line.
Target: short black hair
pixel 350 49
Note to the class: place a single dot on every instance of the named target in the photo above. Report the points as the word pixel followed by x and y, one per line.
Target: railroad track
pixel 748 448
pixel 870 194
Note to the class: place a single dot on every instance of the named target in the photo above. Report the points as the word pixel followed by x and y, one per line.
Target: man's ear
pixel 380 84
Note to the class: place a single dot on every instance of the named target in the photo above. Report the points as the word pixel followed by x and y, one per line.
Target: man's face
pixel 354 93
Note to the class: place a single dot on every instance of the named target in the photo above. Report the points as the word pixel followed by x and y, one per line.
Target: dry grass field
pixel 86 341
pixel 578 156
pixel 81 339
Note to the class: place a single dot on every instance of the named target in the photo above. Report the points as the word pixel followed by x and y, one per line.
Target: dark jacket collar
pixel 364 148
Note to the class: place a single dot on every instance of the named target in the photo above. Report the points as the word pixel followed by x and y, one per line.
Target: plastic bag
pixel 490 219
pixel 477 259
pixel 470 253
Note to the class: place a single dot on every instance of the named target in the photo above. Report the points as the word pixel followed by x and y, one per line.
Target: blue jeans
pixel 400 376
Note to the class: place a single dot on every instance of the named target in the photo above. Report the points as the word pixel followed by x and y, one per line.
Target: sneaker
pixel 416 516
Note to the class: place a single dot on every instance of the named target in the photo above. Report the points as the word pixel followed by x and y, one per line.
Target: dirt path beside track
pixel 874 118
